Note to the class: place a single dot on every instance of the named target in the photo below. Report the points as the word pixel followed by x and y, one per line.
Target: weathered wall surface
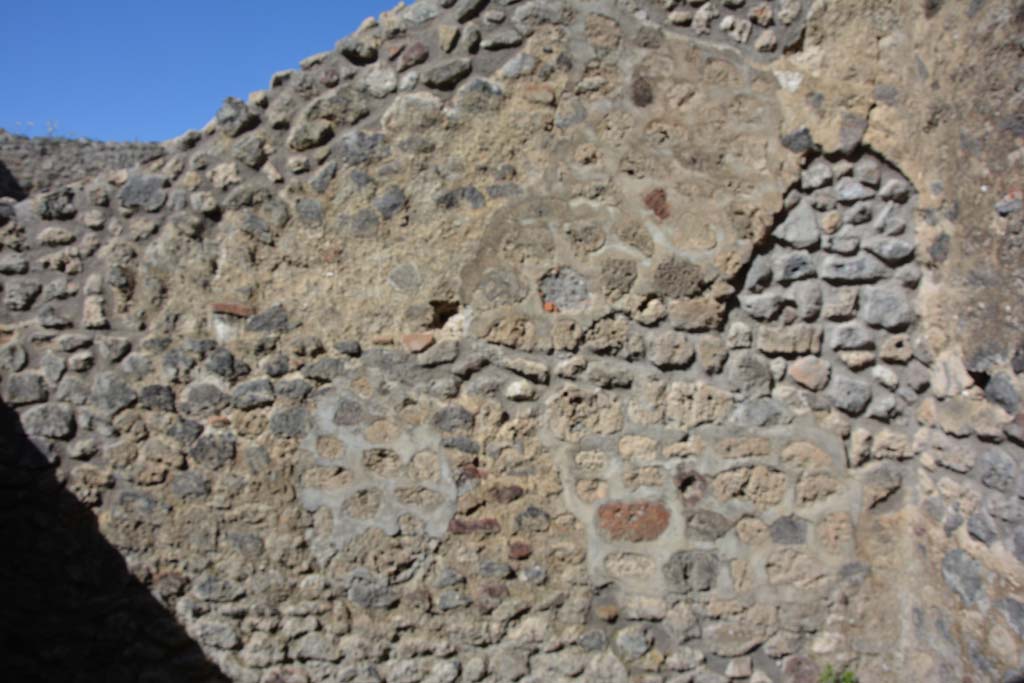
pixel 36 165
pixel 548 341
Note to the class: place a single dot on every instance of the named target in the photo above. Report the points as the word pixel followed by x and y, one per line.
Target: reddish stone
pixel 550 307
pixel 394 51
pixel 507 494
pixel 811 372
pixel 237 310
pixel 633 522
pixel 517 550
pixel 461 525
pixel 657 201
pixel 219 422
pixel 418 342
pixel 416 53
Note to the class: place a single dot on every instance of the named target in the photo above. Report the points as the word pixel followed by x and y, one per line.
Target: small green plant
pixel 829 675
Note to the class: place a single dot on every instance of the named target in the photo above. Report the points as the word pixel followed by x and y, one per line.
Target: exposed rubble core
pixel 521 341
pixel 35 165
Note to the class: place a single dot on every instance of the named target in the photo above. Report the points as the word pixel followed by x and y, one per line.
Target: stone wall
pixel 36 165
pixel 524 341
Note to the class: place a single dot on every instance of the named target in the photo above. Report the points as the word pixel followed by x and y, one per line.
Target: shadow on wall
pixel 70 610
pixel 9 185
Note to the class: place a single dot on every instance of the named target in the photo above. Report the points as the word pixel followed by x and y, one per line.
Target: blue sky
pixel 150 70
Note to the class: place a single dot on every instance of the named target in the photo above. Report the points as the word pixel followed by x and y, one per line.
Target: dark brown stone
pixel 517 550
pixel 657 201
pixel 507 494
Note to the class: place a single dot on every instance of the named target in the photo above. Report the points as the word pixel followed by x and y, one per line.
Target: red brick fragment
pixel 633 522
pixel 461 525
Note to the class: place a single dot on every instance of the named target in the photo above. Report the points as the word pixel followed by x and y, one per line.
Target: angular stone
pixel 886 307
pixel 204 400
pixel 13 264
pixel 793 266
pixel 807 297
pixel 501 39
pixel 50 420
pixel 357 51
pixel 255 394
pixel 670 350
pixel 849 395
pixel 691 570
pixel 235 117
pixel 222 362
pixel 20 296
pixel 889 249
pixel 816 175
pixel 762 306
pixel 418 342
pixel 112 394
pixel 317 646
pixel 811 372
pixel 274 319
pixel 705 525
pixel 214 450
pixel 748 373
pixel 981 527
pixel 796 339
pixel 310 134
pixel 380 81
pixel 447 76
pixel 25 388
pixel 997 470
pixel 290 422
pixel 788 531
pixel 324 370
pixel 851 337
pixel 157 397
pixel 415 54
pixel 1000 390
pixel 849 190
pixel 800 229
pixel 697 315
pixel 963 575
pixel 856 269
pixel 144 192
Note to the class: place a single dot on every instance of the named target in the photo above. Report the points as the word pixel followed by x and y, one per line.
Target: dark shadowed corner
pixel 69 608
pixel 9 185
